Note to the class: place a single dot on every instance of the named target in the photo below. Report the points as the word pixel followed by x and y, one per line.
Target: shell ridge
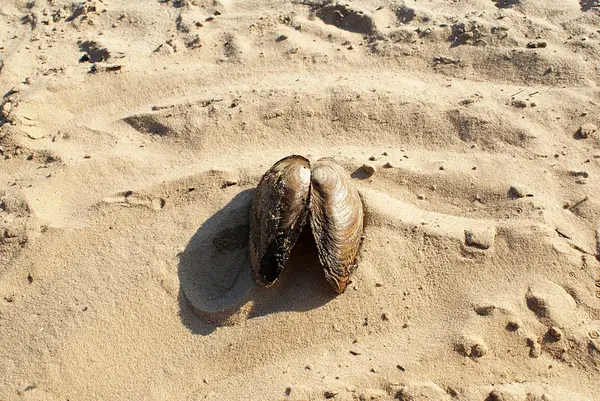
pixel 337 221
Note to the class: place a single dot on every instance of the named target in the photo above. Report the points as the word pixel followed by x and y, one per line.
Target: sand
pixel 132 136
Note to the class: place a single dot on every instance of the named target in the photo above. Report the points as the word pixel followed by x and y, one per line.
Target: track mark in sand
pixel 132 199
pixel 472 126
pixel 182 120
pixel 345 17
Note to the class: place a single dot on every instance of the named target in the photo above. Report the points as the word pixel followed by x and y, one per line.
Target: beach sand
pixel 132 136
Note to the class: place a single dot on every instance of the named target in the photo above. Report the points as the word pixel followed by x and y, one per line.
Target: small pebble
pixel 228 183
pixel 385 316
pixel 331 394
pixel 537 44
pixel 512 325
pixel 372 158
pixel 555 333
pixel 421 197
pixel 379 284
pixel 480 237
pixel 586 131
pixel 369 169
pixel 6 109
pixel 422 391
pixel 519 104
pixel 472 347
pixel 535 348
pixel 518 191
pixel 506 395
pixel 583 174
pixel 388 165
pixel 442 168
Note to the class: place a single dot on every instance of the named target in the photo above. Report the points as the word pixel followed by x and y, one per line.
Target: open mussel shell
pixel 286 196
pixel 279 212
pixel 336 218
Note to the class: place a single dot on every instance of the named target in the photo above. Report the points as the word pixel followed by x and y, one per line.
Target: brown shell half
pixel 279 211
pixel 336 218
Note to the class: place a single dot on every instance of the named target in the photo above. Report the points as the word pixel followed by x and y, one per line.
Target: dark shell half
pixel 278 214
